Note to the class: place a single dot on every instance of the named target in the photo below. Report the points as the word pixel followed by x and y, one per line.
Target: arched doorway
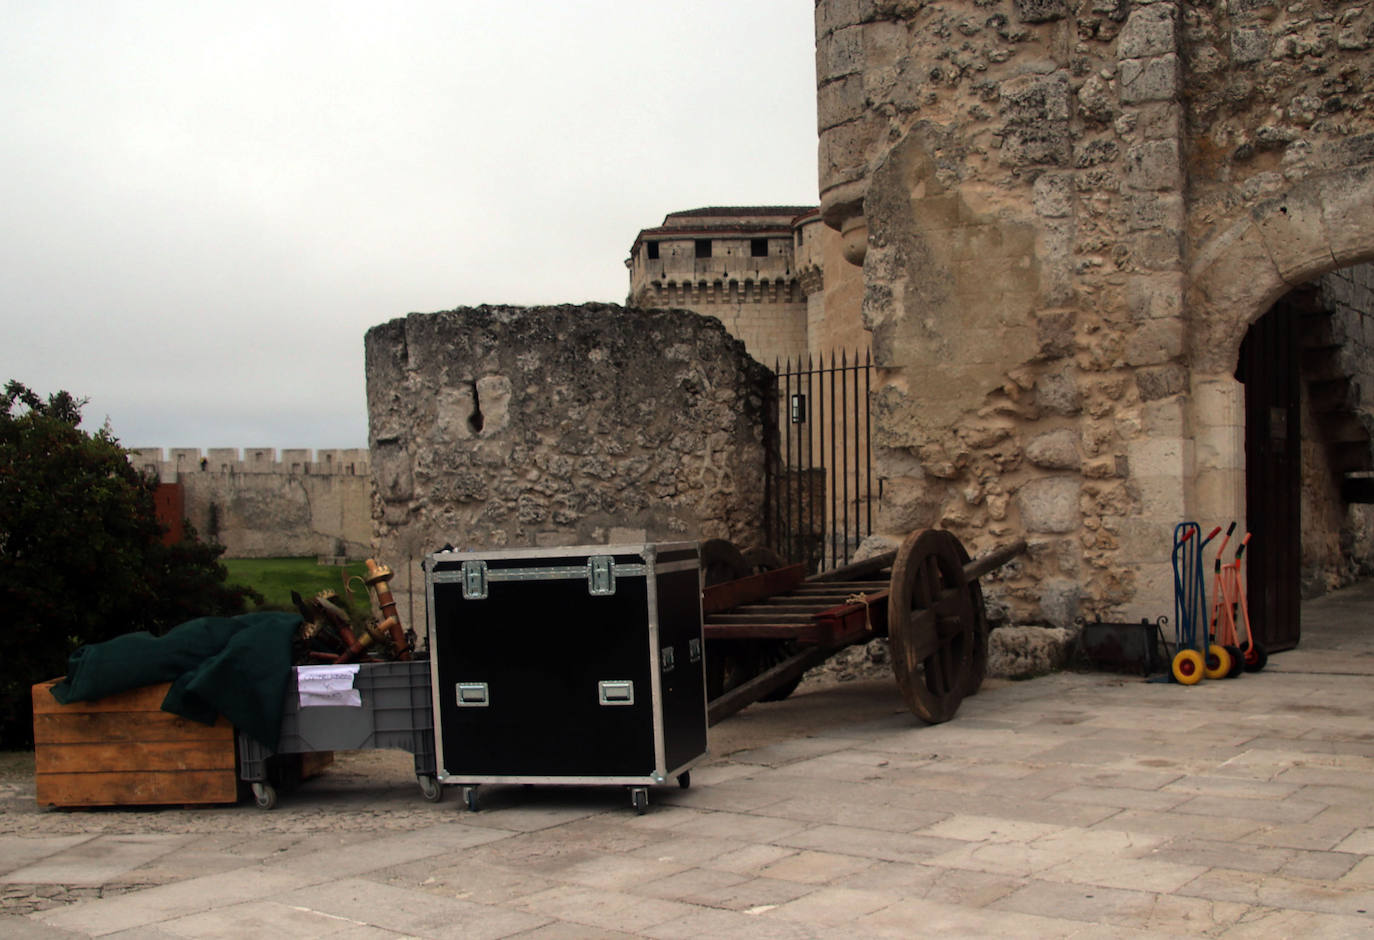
pixel 1308 369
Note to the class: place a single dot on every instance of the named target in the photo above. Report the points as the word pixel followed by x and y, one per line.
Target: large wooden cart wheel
pixel 933 625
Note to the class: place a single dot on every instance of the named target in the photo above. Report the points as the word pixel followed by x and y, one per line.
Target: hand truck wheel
pixel 1217 662
pixel 1188 667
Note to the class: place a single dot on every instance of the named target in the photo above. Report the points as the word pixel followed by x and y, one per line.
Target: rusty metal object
pixel 379 580
pixel 327 603
pixel 374 634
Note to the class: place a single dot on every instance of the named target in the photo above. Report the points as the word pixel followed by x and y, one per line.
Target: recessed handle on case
pixel 473 695
pixel 616 692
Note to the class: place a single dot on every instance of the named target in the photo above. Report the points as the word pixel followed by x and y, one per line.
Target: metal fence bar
pixel 810 450
pixel 868 438
pixel 825 443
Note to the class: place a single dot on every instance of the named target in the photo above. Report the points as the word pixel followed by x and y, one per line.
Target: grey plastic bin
pixel 397 713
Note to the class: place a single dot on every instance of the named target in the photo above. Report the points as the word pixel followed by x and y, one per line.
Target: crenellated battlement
pixel 169 463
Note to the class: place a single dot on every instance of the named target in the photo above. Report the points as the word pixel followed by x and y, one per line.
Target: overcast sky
pixel 206 205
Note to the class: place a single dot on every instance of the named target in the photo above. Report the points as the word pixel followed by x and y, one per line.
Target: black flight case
pixel 570 665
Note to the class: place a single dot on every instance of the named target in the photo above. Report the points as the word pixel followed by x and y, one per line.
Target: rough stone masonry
pixel 505 427
pixel 1068 214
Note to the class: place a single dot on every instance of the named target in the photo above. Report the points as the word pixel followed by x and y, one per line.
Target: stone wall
pixel 496 427
pixel 260 506
pixel 1338 537
pixel 1068 216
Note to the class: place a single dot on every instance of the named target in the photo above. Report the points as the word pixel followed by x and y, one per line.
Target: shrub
pixel 81 551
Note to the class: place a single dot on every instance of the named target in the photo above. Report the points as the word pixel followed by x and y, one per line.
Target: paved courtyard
pixel 1074 805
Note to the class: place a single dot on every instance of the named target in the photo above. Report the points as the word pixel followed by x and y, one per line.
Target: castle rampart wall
pixel 260 505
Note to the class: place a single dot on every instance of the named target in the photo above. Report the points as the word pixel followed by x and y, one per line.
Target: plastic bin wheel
pixel 265 795
pixel 430 787
pixel 639 799
pixel 684 779
pixel 1188 667
pixel 470 798
pixel 1218 662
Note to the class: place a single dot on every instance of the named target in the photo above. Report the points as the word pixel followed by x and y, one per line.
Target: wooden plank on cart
pixel 756 587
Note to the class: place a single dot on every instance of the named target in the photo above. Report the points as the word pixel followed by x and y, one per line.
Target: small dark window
pixel 652 249
pixel 799 238
pixel 703 246
pixel 758 248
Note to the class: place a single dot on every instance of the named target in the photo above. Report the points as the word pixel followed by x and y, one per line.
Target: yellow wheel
pixel 1218 662
pixel 1188 667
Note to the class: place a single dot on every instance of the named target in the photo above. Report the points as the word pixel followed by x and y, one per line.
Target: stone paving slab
pixel 96 861
pixel 1074 805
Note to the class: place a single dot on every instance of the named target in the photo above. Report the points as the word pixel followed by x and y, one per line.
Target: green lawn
pixel 276 578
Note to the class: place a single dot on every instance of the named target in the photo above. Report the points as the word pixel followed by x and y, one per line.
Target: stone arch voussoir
pixel 1318 225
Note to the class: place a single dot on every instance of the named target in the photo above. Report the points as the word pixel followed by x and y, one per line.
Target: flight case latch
pixel 601 575
pixel 474 580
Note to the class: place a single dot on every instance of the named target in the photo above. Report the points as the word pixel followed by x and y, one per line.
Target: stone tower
pixel 1069 216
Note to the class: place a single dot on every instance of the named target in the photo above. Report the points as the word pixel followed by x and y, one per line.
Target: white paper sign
pixel 318 686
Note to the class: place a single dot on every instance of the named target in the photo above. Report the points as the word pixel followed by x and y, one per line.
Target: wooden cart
pixel 767 623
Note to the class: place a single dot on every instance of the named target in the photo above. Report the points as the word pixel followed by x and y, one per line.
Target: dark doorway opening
pixel 1270 366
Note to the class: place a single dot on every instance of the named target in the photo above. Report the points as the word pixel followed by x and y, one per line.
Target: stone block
pixel 1024 652
pixel 1041 11
pixel 840 100
pixel 1053 195
pixel 1050 504
pixel 1155 296
pixel 1294 233
pixel 1249 44
pixel 1346 201
pixel 1057 392
pixel 1097 100
pixel 1154 165
pixel 840 53
pixel 1153 79
pixel 1161 381
pixel 1149 31
pixel 909 504
pixel 1155 342
pixel 838 14
pixel 1059 601
pixel 1055 450
pixel 1158 250
pixel 1164 457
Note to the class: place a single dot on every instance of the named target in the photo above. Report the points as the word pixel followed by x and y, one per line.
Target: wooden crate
pixel 125 750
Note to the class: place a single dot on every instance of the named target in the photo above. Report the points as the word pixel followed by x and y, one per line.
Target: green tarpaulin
pixel 237 667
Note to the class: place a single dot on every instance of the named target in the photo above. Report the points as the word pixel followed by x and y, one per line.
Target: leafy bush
pixel 81 552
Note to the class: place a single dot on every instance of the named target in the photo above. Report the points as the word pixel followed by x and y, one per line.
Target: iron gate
pixel 819 487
